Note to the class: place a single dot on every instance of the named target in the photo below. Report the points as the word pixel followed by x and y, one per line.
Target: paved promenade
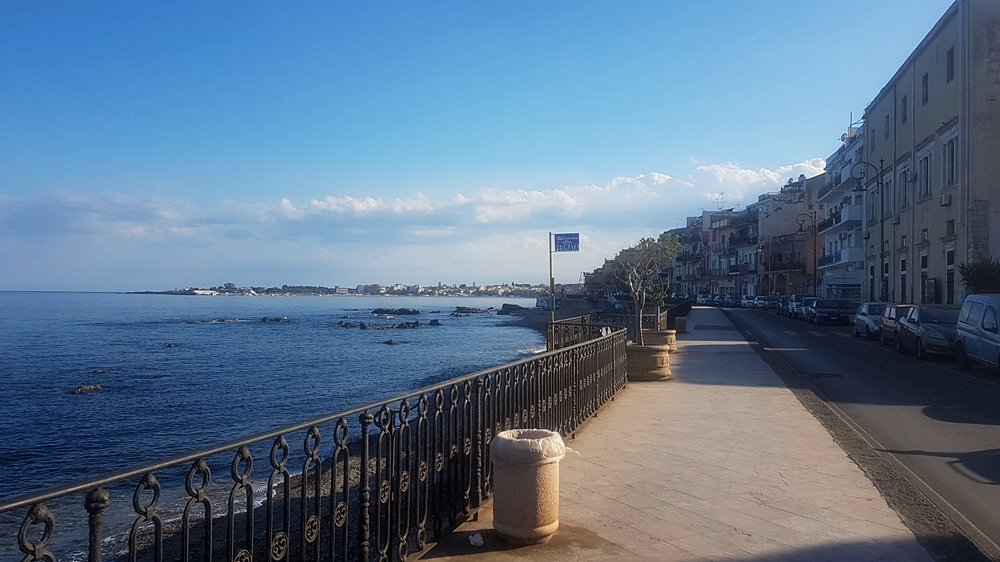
pixel 721 462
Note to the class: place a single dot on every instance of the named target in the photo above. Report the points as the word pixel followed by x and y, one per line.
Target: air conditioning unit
pixel 844 235
pixel 945 199
pixel 895 219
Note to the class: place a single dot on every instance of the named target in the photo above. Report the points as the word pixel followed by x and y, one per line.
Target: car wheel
pixel 961 357
pixel 899 344
pixel 868 332
pixel 857 334
pixel 919 350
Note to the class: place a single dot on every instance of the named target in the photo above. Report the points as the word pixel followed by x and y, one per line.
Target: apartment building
pixel 843 265
pixel 932 170
pixel 788 243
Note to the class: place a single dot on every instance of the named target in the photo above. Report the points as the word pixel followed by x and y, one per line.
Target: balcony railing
pixel 374 483
pixel 842 257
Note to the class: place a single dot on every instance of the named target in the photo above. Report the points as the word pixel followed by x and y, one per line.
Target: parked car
pixel 747 301
pixel 831 311
pixel 731 300
pixel 760 301
pixel 794 305
pixel 806 309
pixel 978 334
pixel 928 329
pixel 890 321
pixel 704 299
pixel 868 319
pixel 782 309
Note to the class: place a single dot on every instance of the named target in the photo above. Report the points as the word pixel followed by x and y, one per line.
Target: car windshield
pixel 939 316
pixel 829 303
pixel 876 309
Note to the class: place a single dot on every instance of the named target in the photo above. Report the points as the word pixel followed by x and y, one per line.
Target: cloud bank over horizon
pixel 487 234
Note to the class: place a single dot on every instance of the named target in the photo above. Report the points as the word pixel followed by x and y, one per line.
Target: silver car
pixel 868 319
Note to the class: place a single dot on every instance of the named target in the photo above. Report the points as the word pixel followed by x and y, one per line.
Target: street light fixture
pixel 801 221
pixel 859 171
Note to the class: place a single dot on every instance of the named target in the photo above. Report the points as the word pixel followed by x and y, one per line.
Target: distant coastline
pixel 229 289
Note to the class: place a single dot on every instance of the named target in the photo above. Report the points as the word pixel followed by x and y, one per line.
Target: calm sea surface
pixel 175 379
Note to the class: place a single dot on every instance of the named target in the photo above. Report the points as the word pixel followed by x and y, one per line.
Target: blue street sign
pixel 567 242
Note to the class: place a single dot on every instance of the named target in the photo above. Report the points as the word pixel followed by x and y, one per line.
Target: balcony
pixel 841 258
pixel 845 219
pixel 689 257
pixel 774 266
pixel 741 240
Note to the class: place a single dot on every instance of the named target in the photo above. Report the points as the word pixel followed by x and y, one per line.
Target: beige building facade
pixel 931 172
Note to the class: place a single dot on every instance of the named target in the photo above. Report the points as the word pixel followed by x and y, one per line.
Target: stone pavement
pixel 721 462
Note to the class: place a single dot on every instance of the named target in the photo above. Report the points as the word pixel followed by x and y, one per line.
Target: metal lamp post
pixel 801 221
pixel 858 172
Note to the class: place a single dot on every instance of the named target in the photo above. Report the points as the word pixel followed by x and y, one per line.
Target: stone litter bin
pixel 526 484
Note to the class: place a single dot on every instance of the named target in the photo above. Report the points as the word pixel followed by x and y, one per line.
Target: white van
pixel 978 337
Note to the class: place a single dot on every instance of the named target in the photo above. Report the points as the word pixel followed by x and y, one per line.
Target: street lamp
pixel 801 221
pixel 764 243
pixel 858 172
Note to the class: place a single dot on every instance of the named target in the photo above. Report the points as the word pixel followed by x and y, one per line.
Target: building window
pixel 950 163
pixel 949 230
pixel 904 185
pixel 886 125
pixel 924 95
pixel 902 244
pixel 950 64
pixel 902 281
pixel 888 198
pixel 924 175
pixel 949 280
pixel 923 280
pixel 902 109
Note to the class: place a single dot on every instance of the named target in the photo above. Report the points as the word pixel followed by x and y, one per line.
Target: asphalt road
pixel 936 425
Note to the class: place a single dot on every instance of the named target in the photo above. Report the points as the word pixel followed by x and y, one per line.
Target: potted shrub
pixel 638 268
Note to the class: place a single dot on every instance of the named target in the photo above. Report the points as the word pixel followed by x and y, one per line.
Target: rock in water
pixel 87 388
pixel 469 310
pixel 435 322
pixel 392 342
pixel 396 311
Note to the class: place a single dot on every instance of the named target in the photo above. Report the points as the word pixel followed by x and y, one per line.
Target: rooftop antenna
pixel 720 200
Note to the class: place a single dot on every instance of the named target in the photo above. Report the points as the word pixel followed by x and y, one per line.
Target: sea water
pixel 180 373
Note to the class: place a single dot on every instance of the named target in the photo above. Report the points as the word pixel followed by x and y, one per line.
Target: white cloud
pixel 477 234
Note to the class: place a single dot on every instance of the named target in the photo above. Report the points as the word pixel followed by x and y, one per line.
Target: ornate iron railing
pixel 572 331
pixel 398 475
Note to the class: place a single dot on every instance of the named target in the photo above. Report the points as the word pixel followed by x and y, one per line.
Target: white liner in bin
pixel 527 446
pixel 526 484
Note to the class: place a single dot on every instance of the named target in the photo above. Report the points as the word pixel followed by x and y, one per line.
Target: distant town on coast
pixel 524 290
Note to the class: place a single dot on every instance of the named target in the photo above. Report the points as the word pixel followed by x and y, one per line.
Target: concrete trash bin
pixel 526 484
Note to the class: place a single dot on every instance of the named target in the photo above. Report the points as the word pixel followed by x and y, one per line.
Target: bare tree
pixel 638 267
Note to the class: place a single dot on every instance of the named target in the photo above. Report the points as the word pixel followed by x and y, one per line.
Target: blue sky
pixel 147 146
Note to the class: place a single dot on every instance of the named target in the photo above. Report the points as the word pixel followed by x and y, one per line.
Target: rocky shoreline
pixel 537 318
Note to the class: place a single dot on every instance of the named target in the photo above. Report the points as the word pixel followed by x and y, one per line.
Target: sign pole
pixel 552 284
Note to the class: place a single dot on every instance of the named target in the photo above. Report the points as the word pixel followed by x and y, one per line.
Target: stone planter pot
pixel 526 484
pixel 647 362
pixel 661 337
